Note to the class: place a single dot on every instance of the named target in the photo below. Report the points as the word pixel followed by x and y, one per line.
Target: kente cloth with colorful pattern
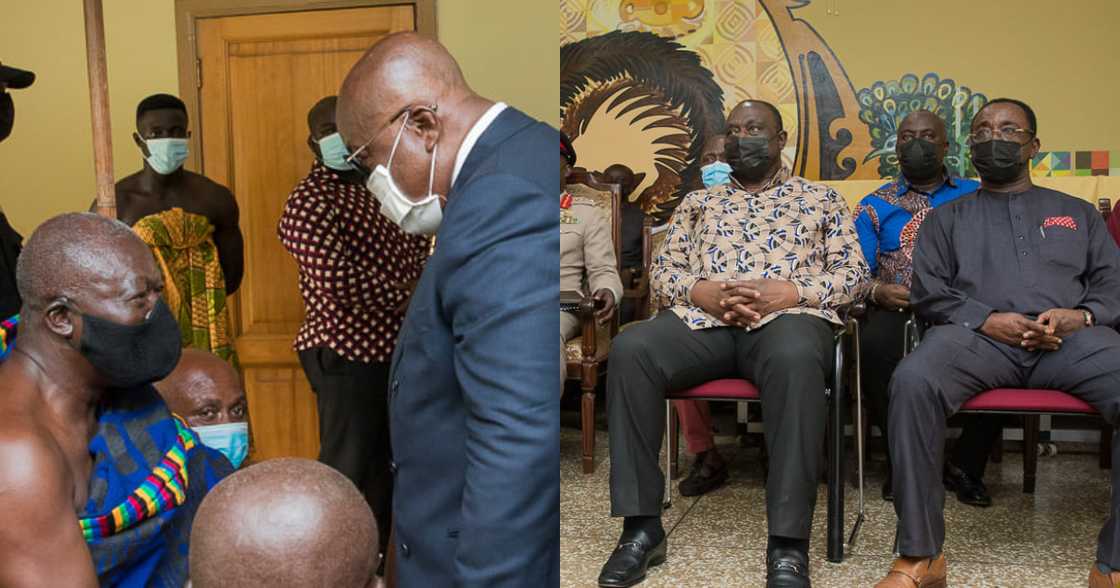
pixel 194 285
pixel 8 330
pixel 791 230
pixel 888 219
pixel 150 473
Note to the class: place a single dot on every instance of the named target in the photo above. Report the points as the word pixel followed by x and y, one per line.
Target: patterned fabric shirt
pixel 888 220
pixel 791 230
pixel 349 257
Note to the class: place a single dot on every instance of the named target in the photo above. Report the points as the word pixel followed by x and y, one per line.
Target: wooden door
pixel 260 75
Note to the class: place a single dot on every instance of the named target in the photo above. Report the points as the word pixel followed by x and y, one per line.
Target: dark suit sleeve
pixel 1103 275
pixel 932 295
pixel 502 301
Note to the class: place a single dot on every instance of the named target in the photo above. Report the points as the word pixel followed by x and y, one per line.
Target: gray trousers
pixel 787 359
pixel 954 364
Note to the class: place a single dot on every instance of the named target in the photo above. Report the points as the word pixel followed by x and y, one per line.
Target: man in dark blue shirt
pixel 1022 285
pixel 887 223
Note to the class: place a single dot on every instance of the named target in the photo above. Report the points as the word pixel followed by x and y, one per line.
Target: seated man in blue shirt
pixel 887 223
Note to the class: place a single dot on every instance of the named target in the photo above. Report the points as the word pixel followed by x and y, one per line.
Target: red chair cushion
pixel 729 388
pixel 1027 400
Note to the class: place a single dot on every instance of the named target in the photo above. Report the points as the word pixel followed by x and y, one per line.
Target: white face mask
pixel 417 218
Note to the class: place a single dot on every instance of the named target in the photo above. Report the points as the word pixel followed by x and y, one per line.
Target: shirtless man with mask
pixel 78 391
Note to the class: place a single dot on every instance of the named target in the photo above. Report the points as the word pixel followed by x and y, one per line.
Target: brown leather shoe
pixel 909 572
pixel 1099 580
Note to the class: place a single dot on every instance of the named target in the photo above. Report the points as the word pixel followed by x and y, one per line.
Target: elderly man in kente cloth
pixel 91 461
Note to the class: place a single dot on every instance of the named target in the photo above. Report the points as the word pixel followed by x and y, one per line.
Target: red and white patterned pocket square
pixel 1060 221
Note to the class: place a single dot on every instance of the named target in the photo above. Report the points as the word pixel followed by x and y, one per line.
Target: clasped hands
pixel 743 303
pixel 1044 334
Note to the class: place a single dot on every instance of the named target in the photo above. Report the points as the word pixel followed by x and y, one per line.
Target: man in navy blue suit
pixel 473 401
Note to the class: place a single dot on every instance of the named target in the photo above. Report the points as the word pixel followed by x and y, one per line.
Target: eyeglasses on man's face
pixel 1006 133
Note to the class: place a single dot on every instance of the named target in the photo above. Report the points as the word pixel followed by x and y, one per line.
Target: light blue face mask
pixel 334 152
pixel 715 174
pixel 232 439
pixel 166 155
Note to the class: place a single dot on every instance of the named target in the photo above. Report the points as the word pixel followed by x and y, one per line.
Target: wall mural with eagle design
pixel 645 82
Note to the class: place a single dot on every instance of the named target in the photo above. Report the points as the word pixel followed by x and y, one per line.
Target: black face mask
pixel 918 159
pixel 132 355
pixel 7 115
pixel 749 157
pixel 997 160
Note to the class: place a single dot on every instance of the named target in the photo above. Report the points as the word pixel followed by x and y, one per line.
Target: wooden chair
pixel 636 288
pixel 587 353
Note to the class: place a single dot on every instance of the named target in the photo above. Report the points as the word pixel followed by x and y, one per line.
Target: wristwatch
pixel 1088 317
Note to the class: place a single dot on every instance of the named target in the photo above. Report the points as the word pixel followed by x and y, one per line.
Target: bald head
pixel 401 70
pixel 204 389
pixel 69 251
pixel 289 523
pixel 923 119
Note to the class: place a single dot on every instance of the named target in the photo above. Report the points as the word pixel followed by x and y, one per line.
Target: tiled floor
pixel 1044 540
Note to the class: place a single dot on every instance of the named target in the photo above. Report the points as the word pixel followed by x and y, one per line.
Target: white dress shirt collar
pixel 476 131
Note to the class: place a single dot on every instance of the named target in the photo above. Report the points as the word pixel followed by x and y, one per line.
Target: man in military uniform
pixel 586 253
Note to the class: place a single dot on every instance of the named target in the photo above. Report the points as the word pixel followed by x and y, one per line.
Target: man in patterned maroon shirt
pixel 355 271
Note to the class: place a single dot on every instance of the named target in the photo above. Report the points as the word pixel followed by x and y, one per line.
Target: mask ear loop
pixel 397 141
pixel 432 170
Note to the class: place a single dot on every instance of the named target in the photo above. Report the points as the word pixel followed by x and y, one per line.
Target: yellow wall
pixel 507 49
pixel 1058 57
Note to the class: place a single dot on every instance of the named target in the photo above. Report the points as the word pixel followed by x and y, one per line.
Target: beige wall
pixel 507 49
pixel 1058 57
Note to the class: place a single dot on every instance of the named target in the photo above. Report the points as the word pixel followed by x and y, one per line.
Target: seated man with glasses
pixel 1022 285
pixel 753 272
pixel 887 223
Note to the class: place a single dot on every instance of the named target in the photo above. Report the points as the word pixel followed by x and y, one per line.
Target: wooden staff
pixel 99 109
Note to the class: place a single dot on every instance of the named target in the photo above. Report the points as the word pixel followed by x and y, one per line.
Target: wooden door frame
pixel 188 12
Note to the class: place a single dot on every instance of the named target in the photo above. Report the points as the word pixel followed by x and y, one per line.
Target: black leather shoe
pixel 969 490
pixel 787 568
pixel 703 478
pixel 634 555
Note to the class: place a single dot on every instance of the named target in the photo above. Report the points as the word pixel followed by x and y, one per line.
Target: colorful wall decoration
pixel 645 82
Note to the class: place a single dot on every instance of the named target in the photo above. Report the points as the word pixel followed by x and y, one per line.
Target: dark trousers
pixel 352 398
pixel 882 338
pixel 953 364
pixel 787 359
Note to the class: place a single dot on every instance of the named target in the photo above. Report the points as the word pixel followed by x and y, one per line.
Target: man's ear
pixel 1036 146
pixel 313 145
pixel 426 122
pixel 782 137
pixel 60 320
pixel 140 143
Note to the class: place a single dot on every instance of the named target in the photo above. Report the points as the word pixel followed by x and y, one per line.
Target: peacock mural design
pixel 885 104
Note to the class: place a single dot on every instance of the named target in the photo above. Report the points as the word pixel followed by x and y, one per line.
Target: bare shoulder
pixel 33 470
pixel 216 199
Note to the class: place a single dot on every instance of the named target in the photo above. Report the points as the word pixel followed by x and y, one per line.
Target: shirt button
pixel 393 468
pixel 967 325
pixel 1020 237
pixel 404 550
pixel 1025 254
pixel 396 385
